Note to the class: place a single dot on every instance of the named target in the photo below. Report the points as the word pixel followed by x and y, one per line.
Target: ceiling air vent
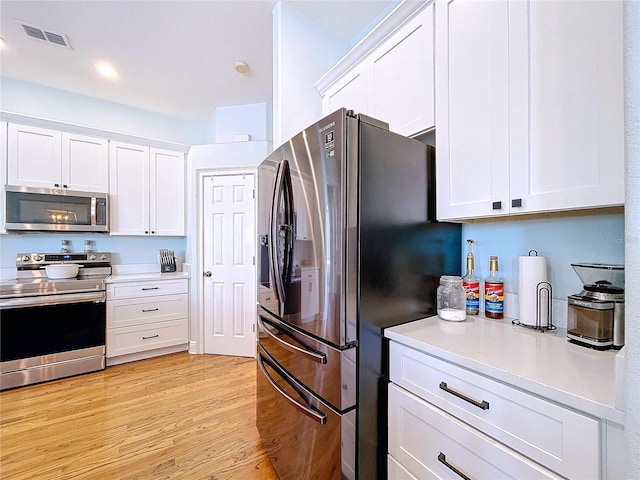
pixel 42 34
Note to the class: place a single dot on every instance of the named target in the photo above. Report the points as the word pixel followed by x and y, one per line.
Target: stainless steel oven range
pixel 53 328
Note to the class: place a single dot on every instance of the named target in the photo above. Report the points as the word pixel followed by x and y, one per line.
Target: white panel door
pixel 229 252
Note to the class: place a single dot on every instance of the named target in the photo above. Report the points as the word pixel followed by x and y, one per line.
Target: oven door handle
pixel 319 417
pixel 45 300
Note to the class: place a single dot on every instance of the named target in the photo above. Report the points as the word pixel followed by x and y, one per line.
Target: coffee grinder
pixel 596 315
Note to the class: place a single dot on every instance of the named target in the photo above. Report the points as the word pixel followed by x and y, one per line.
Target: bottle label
pixel 494 297
pixel 472 293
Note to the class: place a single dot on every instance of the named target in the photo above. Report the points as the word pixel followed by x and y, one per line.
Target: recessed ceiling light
pixel 3 45
pixel 107 70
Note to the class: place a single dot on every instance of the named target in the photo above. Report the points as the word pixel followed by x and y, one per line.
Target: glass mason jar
pixel 451 299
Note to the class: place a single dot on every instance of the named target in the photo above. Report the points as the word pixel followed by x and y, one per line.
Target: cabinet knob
pixel 206 274
pixel 516 202
pixel 57 185
pixel 496 205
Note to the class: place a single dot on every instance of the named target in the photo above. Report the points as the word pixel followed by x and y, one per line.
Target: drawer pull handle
pixel 150 288
pixel 443 459
pixel 150 310
pixel 484 405
pixel 152 336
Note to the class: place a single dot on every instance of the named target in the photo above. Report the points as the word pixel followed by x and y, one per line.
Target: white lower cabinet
pixel 444 418
pixel 146 316
pixel 430 443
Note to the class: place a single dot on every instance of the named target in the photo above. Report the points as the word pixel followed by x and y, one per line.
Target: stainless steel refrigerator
pixel 348 245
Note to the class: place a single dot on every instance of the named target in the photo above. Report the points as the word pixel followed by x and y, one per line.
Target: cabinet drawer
pixel 395 471
pixel 139 338
pixel 429 443
pixel 129 312
pixel 146 289
pixel 561 439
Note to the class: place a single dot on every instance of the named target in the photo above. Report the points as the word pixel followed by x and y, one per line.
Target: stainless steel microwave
pixel 44 209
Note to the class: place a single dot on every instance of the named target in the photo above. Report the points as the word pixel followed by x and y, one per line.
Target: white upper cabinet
pixel 129 194
pixel 402 87
pixel 392 79
pixel 567 104
pixel 349 91
pixel 40 157
pixel 85 163
pixel 147 191
pixel 167 192
pixel 529 107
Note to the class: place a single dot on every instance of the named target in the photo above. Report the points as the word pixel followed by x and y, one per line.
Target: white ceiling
pixel 174 57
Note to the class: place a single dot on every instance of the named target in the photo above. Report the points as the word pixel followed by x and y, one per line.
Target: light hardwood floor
pixel 178 416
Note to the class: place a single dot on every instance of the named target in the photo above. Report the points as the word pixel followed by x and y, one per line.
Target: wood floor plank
pixel 178 416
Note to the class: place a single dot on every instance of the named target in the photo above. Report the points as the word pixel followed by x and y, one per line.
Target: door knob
pixel 207 274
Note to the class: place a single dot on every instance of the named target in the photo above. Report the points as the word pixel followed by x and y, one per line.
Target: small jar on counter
pixel 451 299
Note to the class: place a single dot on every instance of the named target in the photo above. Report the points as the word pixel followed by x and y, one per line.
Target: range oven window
pixel 42 330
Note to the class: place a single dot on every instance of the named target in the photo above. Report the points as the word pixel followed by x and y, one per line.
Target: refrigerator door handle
pixel 311 354
pixel 319 417
pixel 282 232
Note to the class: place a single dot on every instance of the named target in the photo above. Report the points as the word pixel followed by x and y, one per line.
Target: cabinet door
pixel 472 114
pixel 403 77
pixel 129 189
pixel 566 107
pixel 34 157
pixel 350 92
pixel 3 170
pixel 85 163
pixel 167 191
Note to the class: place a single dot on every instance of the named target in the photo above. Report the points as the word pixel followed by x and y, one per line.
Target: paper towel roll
pixel 532 269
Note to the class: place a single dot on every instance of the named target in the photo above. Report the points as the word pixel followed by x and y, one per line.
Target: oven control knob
pixel 92 256
pixel 37 258
pixel 24 258
pixel 103 257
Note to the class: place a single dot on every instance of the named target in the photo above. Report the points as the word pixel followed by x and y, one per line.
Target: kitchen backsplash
pixel 566 240
pixel 125 250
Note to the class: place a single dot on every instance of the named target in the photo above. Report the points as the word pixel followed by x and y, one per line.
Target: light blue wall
pixel 579 239
pixel 48 103
pixel 126 250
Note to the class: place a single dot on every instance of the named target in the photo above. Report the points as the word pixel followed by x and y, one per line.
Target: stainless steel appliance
pixel 53 328
pixel 355 202
pixel 44 209
pixel 596 315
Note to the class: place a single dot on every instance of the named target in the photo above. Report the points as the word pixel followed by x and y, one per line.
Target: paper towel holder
pixel 542 289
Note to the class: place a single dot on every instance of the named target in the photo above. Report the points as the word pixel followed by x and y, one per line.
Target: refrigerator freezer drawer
pixel 302 436
pixel 323 369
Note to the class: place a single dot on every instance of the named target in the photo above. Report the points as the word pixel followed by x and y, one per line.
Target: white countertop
pixel 145 276
pixel 545 364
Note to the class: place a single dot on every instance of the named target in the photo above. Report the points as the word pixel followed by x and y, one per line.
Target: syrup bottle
pixel 471 284
pixel 493 291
